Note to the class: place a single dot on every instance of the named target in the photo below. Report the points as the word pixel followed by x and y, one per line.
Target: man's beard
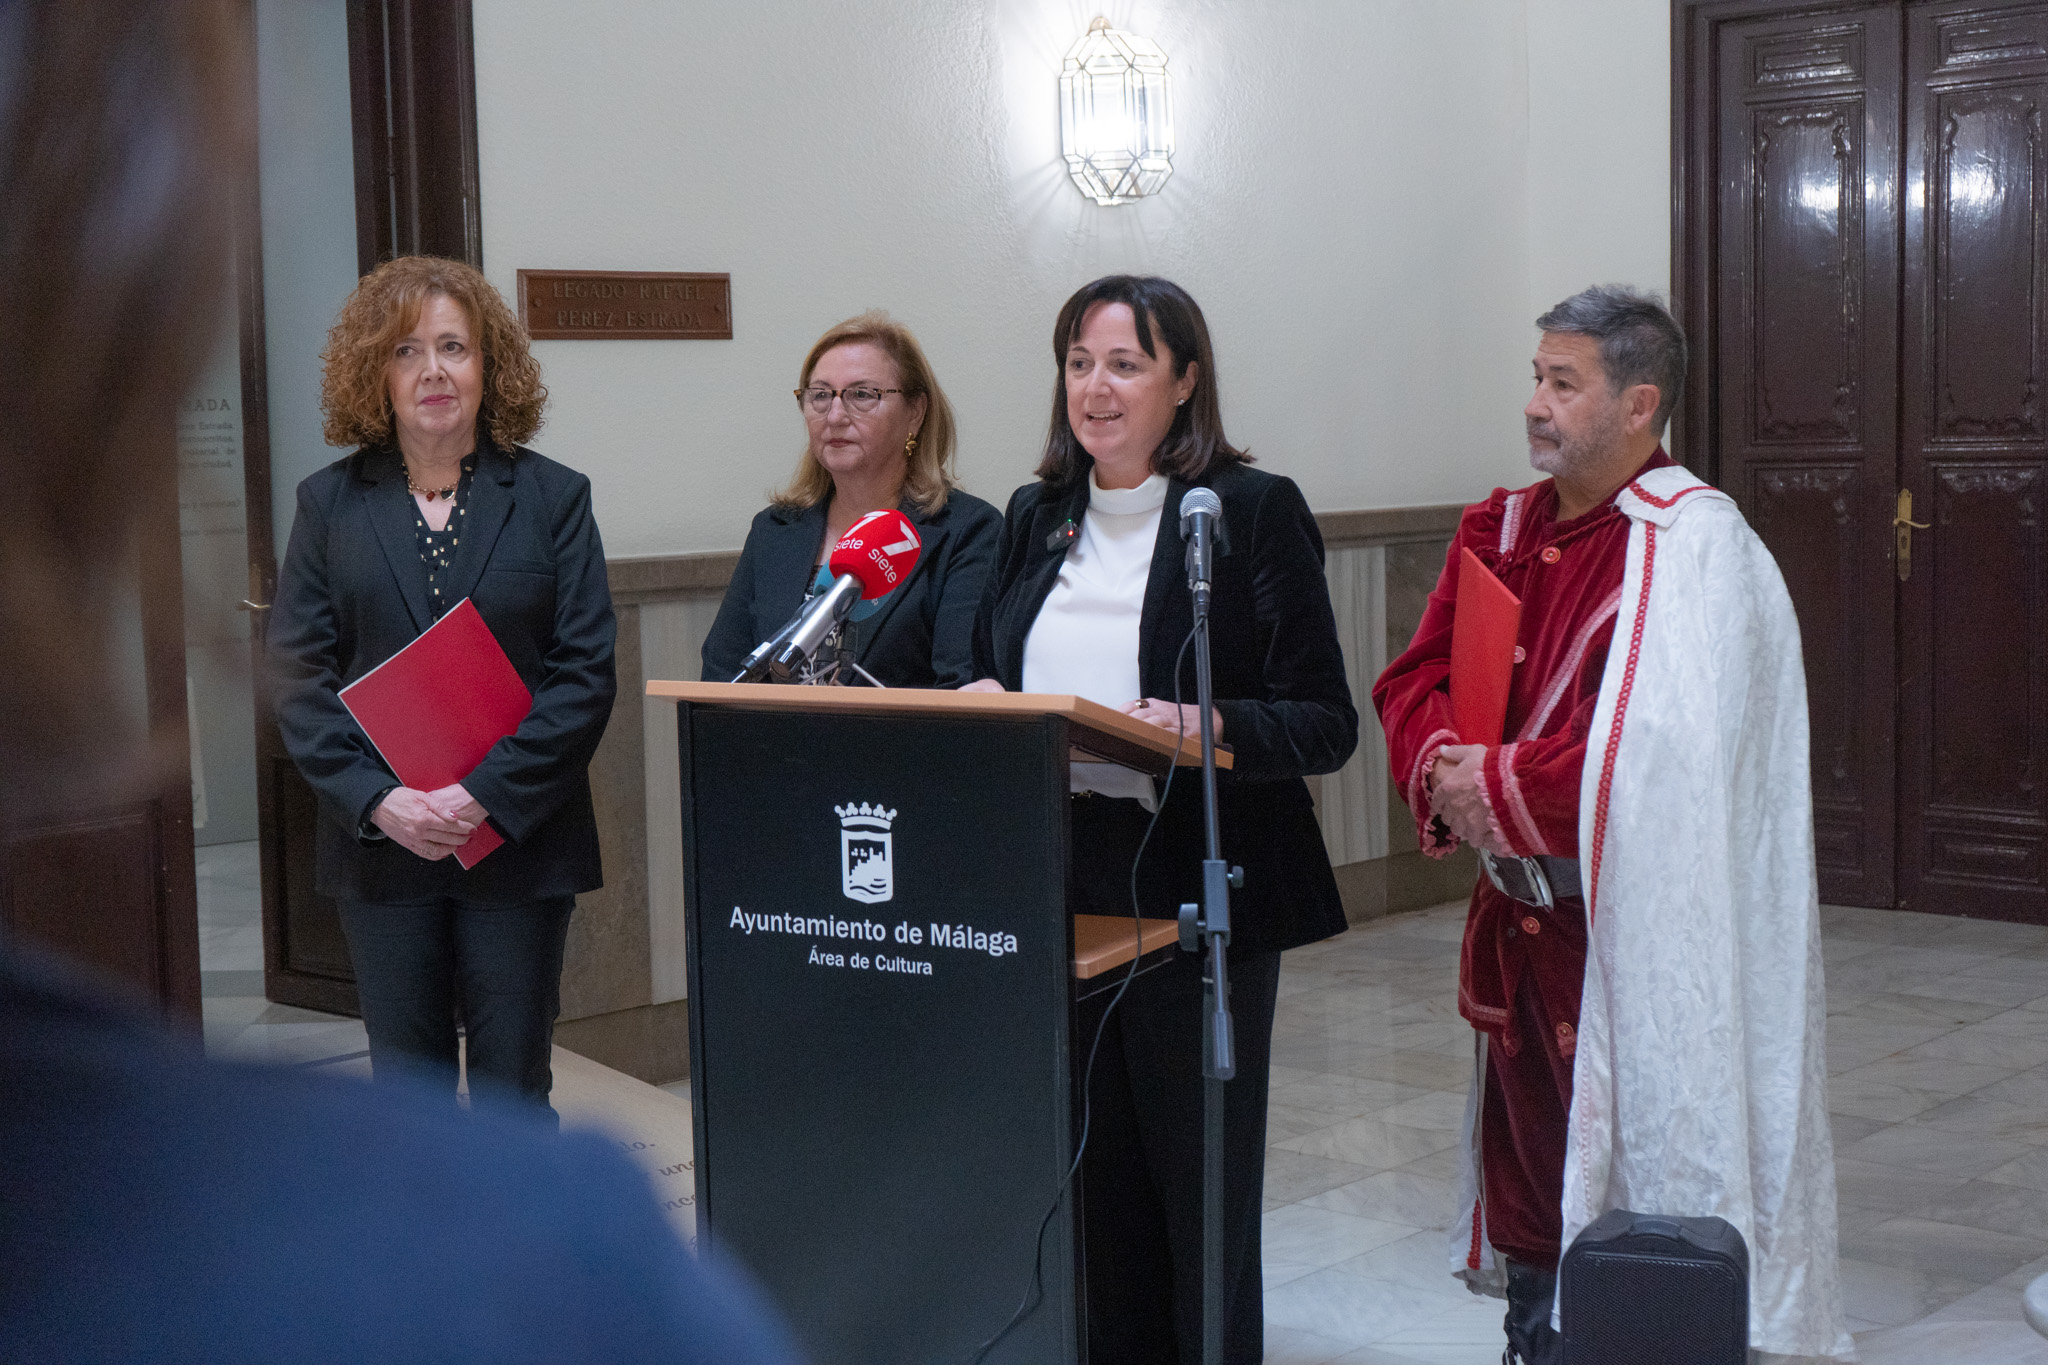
pixel 1589 449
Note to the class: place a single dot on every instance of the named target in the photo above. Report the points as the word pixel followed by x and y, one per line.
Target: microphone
pixel 1201 526
pixel 875 555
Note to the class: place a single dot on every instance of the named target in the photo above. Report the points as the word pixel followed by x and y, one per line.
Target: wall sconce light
pixel 1116 115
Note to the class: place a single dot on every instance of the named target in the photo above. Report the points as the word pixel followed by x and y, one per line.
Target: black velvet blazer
pixel 1280 686
pixel 923 634
pixel 352 592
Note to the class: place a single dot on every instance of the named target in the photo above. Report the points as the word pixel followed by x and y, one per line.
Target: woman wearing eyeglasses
pixel 880 436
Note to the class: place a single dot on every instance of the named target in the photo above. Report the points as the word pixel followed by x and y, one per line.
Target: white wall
pixel 1371 200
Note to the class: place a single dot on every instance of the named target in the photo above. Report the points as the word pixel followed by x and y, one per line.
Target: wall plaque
pixel 625 305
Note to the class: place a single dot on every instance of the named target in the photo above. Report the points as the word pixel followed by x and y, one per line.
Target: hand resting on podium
pixel 1186 720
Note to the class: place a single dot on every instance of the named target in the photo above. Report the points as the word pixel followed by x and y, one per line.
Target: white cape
pixel 1699 1080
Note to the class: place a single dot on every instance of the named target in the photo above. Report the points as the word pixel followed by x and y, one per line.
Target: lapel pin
pixel 1063 537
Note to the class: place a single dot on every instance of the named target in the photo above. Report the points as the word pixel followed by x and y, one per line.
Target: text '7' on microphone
pixel 875 555
pixel 1201 526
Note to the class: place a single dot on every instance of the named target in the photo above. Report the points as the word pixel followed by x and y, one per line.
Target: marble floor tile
pixel 1398 1196
pixel 1887 1295
pixel 1933 1075
pixel 1868 1185
pixel 1993 1206
pixel 1989 1118
pixel 1946 1249
pixel 1916 1009
pixel 1305 1234
pixel 1444 1109
pixel 1954 1343
pixel 1881 1101
pixel 1285 1346
pixel 1987 989
pixel 1932 1150
pixel 1292 1176
pixel 1942 1188
pixel 1347 1096
pixel 1430 1070
pixel 2030 1170
pixel 1371 1144
pixel 1980 1046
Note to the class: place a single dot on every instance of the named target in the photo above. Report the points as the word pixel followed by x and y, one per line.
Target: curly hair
pixel 355 398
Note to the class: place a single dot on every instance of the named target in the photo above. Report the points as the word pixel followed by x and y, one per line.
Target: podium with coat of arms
pixel 883 981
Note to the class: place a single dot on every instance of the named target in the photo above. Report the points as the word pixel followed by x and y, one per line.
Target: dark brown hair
pixel 124 137
pixel 928 480
pixel 385 306
pixel 1195 443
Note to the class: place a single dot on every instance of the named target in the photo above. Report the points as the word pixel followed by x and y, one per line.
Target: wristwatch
pixel 366 828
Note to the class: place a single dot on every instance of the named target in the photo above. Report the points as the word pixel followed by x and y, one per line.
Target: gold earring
pixel 910 446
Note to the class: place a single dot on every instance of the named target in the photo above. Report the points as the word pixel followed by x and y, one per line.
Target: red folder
pixel 435 708
pixel 1483 637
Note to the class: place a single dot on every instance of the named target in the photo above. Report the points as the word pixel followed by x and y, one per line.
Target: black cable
pixel 1035 1293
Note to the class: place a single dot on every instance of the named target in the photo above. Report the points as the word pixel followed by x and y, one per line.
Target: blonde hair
pixel 929 477
pixel 355 399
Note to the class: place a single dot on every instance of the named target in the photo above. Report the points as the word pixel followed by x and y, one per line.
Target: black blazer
pixel 1280 686
pixel 922 636
pixel 353 592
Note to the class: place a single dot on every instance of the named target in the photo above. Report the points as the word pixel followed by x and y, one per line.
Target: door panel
pixel 1804 293
pixel 1974 610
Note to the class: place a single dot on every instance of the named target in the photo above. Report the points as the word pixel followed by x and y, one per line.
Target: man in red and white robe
pixel 1651 1039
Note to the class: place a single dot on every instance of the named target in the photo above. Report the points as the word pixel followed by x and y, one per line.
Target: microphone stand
pixel 1208 929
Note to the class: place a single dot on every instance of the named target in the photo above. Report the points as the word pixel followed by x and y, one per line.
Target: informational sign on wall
pixel 625 305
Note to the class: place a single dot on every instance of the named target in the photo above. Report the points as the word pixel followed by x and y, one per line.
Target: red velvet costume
pixel 1522 969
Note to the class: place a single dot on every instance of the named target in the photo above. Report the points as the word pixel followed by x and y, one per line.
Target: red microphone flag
pixel 880 550
pixel 435 708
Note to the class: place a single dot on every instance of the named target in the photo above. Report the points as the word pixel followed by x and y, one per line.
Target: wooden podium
pixel 883 989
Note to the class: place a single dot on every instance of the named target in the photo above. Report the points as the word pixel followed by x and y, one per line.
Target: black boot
pixel 1531 1338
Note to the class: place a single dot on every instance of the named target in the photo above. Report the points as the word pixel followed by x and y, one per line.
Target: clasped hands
pixel 1456 797
pixel 431 824
pixel 1183 718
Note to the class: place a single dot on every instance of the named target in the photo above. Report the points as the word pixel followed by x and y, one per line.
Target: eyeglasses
pixel 859 398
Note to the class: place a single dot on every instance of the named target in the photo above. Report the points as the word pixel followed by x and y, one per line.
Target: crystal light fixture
pixel 1116 115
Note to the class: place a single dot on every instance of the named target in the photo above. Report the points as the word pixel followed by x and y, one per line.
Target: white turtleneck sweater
pixel 1085 640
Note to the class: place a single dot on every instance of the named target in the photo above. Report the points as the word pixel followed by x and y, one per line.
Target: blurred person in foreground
pixel 1642 958
pixel 153 1206
pixel 429 375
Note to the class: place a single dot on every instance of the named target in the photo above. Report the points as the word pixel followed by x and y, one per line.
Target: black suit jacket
pixel 353 592
pixel 922 636
pixel 1280 686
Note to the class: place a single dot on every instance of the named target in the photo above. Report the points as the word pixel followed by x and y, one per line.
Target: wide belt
pixel 1540 881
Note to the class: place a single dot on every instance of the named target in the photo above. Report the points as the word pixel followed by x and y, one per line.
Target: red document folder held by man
pixel 1483 635
pixel 435 708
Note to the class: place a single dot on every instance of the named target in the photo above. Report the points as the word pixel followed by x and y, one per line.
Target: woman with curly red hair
pixel 429 375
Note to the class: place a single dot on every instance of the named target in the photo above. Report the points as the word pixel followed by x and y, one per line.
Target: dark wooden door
pixel 1973 695
pixel 1805 291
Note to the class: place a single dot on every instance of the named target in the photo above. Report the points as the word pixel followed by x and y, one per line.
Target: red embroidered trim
pixel 1472 1256
pixel 1670 502
pixel 1628 686
pixel 1569 669
pixel 1510 522
pixel 1511 788
pixel 1486 799
pixel 1476 1013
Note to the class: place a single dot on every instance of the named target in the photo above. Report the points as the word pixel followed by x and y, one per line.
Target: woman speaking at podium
pixel 880 436
pixel 1088 597
pixel 428 373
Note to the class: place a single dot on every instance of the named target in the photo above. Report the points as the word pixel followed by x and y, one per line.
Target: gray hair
pixel 1640 342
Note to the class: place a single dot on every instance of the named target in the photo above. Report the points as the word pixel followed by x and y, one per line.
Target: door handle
pixel 1904 525
pixel 246 605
